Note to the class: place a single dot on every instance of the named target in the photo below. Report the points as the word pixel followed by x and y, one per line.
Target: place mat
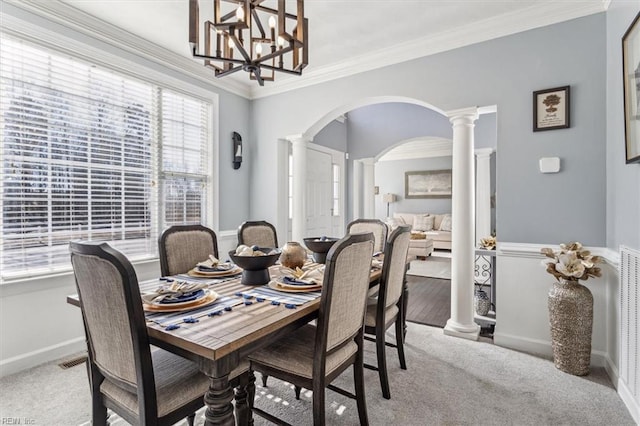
pixel 167 319
pixel 264 292
pixel 280 286
pixel 196 273
pixel 209 297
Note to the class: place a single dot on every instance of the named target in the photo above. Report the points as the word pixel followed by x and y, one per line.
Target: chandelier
pixel 247 35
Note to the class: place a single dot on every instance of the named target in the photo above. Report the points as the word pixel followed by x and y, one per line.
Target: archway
pixel 461 323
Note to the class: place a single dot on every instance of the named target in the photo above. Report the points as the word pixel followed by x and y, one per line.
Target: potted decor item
pixel 571 306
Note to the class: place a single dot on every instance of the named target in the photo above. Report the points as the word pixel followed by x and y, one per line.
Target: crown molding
pixel 77 20
pixel 537 16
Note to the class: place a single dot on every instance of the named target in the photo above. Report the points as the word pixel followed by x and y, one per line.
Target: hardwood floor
pixel 429 300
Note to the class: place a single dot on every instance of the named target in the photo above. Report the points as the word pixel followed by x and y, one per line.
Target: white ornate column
pixel 299 220
pixel 461 323
pixel 483 193
pixel 368 199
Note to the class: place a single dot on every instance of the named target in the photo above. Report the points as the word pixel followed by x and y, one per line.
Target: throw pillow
pixel 445 225
pixel 394 222
pixel 422 222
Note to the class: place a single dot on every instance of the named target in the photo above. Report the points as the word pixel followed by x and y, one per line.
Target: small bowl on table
pixel 320 246
pixel 255 269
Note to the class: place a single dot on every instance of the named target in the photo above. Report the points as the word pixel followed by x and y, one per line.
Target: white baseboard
pixel 543 349
pixel 32 359
pixel 627 397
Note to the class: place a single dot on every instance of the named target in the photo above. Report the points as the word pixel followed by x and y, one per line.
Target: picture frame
pixel 631 78
pixel 428 184
pixel 551 109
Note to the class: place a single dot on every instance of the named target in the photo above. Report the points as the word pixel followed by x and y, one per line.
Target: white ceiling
pixel 348 36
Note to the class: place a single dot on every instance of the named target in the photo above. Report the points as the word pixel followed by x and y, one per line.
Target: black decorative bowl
pixel 255 269
pixel 320 246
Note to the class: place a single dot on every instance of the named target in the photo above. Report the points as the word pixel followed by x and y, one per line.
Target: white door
pixel 319 194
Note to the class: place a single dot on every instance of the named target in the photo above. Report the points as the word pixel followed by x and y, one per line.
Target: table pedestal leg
pixel 218 399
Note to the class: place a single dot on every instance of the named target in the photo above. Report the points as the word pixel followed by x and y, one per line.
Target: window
pixel 90 154
pixel 290 185
pixel 335 211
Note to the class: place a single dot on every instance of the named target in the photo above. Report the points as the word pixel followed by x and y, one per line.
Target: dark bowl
pixel 320 247
pixel 255 269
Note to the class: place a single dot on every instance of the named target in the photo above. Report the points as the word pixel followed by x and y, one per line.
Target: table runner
pixel 267 293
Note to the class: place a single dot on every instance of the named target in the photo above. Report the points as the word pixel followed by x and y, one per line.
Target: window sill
pixel 145 269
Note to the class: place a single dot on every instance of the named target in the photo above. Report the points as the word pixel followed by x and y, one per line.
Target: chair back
pixel 344 294
pixel 115 326
pixel 181 247
pixel 258 233
pixel 375 226
pixel 394 267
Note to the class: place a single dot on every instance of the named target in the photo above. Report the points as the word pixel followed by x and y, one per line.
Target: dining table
pixel 218 336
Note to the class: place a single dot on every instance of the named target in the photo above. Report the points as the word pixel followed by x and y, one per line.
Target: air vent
pixel 73 362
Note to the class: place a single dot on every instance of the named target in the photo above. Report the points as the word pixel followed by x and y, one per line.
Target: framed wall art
pixel 631 75
pixel 551 109
pixel 428 184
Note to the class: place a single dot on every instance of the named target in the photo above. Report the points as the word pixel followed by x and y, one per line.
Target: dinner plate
pixel 209 298
pixel 234 271
pixel 181 301
pixel 276 285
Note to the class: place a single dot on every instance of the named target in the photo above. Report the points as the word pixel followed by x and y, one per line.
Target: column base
pixel 470 332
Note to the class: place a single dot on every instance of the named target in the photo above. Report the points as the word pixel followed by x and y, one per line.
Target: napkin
pixel 213 265
pixel 300 277
pixel 376 263
pixel 173 291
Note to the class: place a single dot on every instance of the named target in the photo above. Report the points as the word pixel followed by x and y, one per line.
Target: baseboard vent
pixel 630 320
pixel 73 362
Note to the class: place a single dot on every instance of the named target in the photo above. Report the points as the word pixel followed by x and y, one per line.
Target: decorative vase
pixel 571 321
pixel 481 302
pixel 293 255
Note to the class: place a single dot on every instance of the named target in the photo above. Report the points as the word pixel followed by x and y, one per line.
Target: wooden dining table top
pixel 238 331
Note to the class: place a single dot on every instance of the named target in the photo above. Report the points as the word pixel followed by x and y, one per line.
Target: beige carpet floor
pixel 433 267
pixel 449 381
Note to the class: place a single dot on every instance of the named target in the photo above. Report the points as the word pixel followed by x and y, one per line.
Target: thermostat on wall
pixel 549 165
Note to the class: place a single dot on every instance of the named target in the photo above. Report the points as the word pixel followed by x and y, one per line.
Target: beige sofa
pixel 429 224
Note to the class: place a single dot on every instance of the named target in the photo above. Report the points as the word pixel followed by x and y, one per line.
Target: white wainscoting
pixel 522 322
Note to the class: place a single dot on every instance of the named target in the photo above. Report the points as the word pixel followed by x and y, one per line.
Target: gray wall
pixel 334 136
pixel 234 116
pixel 504 72
pixel 623 180
pixel 389 176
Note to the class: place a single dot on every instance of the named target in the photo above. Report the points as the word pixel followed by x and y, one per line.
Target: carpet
pixel 449 381
pixel 433 267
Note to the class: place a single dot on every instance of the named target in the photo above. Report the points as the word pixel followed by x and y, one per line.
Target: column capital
pixel 368 161
pixel 465 114
pixel 484 152
pixel 298 139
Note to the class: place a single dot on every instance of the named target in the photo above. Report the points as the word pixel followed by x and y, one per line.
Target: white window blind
pixel 81 149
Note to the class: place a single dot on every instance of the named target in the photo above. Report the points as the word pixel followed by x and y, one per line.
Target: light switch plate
pixel 549 165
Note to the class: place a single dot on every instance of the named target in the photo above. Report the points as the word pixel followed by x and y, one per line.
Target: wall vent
pixel 629 321
pixel 73 362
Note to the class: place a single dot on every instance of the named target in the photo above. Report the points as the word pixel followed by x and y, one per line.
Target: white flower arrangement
pixel 571 262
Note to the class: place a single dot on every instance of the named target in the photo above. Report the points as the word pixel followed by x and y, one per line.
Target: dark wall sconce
pixel 237 150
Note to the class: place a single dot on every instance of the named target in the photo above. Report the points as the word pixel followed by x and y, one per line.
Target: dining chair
pixel 257 233
pixel 387 308
pixel 181 247
pixel 314 355
pixel 143 384
pixel 377 227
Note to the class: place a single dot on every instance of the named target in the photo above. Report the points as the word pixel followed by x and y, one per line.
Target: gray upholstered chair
pixel 181 247
pixel 314 355
pixel 143 386
pixel 377 227
pixel 387 308
pixel 257 233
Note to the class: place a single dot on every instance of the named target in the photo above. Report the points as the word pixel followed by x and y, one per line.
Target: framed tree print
pixel 551 109
pixel 631 75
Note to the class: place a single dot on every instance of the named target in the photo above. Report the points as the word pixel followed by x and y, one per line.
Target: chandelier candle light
pixel 238 38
